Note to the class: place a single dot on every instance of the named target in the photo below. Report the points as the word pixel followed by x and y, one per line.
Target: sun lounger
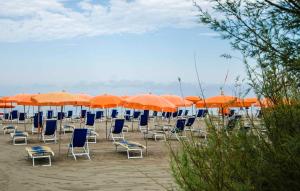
pixel 68 128
pixel 92 136
pixel 131 147
pixel 19 138
pixel 9 129
pixel 39 152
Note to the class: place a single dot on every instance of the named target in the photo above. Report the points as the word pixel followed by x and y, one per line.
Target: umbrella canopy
pixel 26 100
pixel 193 99
pixel 4 99
pixel 106 101
pixel 178 101
pixel 5 105
pixel 246 102
pixel 86 99
pixel 57 99
pixel 220 101
pixel 150 102
pixel 265 102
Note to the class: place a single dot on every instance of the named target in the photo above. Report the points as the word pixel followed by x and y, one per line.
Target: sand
pixel 107 169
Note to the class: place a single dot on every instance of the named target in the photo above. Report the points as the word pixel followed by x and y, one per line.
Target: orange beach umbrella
pixel 150 102
pixel 106 101
pixel 57 99
pixel 83 99
pixel 193 99
pixel 178 101
pixel 220 101
pixel 5 105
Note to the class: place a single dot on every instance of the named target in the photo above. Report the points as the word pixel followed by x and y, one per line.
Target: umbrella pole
pixel 147 135
pixel 80 116
pixel 106 123
pixel 24 118
pixel 60 129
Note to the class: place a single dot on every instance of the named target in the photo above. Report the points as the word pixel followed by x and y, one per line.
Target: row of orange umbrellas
pixel 168 103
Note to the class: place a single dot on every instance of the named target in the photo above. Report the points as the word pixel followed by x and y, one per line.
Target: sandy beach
pixel 107 169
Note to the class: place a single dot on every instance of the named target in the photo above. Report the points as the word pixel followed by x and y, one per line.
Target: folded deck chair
pixel 189 123
pixel 178 131
pixel 14 115
pixel 9 129
pixel 49 132
pixel 79 141
pixel 49 114
pixel 39 152
pixel 37 123
pixel 19 137
pixel 83 114
pixel 116 130
pixel 130 148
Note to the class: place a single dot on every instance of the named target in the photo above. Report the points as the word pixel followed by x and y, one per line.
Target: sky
pixel 122 47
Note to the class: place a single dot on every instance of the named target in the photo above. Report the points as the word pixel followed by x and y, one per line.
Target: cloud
pixel 36 20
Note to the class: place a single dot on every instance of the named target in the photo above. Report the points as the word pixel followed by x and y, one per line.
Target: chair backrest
pixel 118 127
pixel 154 114
pixel 201 113
pixel 127 112
pixel 136 114
pixel 186 112
pixel 14 114
pixel 99 114
pixel 180 124
pixel 37 119
pixel 60 115
pixel 180 112
pixel 146 112
pixel 127 117
pixel 79 137
pixel 70 114
pixel 51 126
pixel 143 120
pixel 90 119
pixel 190 121
pixel 6 115
pixel 49 114
pixel 163 114
pixel 175 114
pixel 83 113
pixel 114 113
pixel 22 116
pixel 168 114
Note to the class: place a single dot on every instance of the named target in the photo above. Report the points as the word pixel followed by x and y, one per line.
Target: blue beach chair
pixel 79 141
pixel 116 131
pixel 49 132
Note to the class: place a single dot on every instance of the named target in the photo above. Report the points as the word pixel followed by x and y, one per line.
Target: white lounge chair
pixel 38 152
pixel 131 147
pixel 19 137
